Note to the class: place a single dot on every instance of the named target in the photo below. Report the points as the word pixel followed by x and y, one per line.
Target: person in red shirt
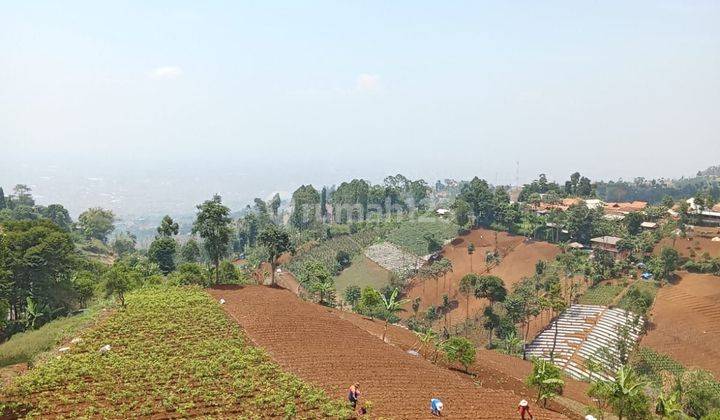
pixel 524 409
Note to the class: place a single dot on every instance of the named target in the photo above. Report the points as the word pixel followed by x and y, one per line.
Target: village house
pixel 609 244
pixel 649 225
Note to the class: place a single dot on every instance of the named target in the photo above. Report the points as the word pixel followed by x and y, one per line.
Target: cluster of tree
pixel 576 186
pixel 94 223
pixel 357 200
pixel 38 274
pixel 486 206
pixel 655 191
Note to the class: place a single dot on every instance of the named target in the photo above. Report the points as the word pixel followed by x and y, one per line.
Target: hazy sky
pixel 151 103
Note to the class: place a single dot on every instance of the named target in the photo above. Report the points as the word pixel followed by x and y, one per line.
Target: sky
pixel 153 106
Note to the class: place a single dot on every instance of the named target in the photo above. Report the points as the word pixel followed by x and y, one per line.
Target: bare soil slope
pixel 518 258
pixel 324 349
pixel 686 322
pixel 696 245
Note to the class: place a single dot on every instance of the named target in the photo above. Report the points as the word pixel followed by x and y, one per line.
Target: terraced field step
pixel 584 332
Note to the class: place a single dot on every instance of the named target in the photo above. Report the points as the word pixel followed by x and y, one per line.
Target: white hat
pixel 590 417
pixel 439 406
pixel 523 403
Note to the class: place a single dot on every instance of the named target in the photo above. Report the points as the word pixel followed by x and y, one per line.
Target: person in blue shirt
pixel 436 407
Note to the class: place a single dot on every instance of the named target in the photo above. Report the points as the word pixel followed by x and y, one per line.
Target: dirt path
pixel 320 347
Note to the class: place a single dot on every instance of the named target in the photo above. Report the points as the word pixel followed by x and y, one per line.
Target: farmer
pixel 354 394
pixel 436 407
pixel 523 409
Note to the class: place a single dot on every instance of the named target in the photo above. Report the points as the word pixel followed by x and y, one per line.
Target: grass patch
pixel 602 294
pixel 26 346
pixel 363 272
pixel 645 289
pixel 174 352
pixel 412 235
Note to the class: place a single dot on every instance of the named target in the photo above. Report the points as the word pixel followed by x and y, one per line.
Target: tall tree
pixel 37 259
pixel 471 251
pixel 124 244
pixel 275 204
pixel 467 289
pixel 305 201
pixel 58 215
pixel 461 212
pixel 276 241
pixel 323 204
pixel 23 196
pixel 97 223
pixel 493 289
pixel 2 199
pixel 190 251
pixel 168 227
pixel 213 226
pixel 162 252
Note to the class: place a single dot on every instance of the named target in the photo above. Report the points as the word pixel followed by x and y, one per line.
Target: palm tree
pixel 392 306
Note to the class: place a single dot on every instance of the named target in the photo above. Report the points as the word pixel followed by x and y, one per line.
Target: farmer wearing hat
pixel 523 409
pixel 436 407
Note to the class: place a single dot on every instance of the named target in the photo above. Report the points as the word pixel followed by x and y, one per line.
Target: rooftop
pixel 610 240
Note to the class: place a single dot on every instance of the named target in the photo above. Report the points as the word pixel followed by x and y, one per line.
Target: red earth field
pixel 686 322
pixel 331 352
pixel 518 258
pixel 692 245
pixel 492 369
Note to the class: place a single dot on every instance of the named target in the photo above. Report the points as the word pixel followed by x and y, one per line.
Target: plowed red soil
pixel 331 352
pixel 686 322
pixel 518 258
pixel 697 245
pixel 492 369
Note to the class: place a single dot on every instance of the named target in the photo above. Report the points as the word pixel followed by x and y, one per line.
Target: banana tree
pixel 33 314
pixel 392 306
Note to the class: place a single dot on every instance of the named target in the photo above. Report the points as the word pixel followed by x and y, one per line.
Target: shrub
pixel 460 349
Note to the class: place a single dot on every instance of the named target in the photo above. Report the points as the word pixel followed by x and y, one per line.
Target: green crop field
pixel 326 251
pixel 411 235
pixel 174 352
pixel 649 288
pixel 363 272
pixel 601 294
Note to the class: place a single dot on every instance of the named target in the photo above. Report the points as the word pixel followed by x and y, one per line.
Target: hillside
pixel 326 350
pixel 174 353
pixel 686 321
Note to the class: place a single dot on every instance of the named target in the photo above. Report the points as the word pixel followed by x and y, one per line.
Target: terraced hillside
pixel 173 353
pixel 331 352
pixel 586 332
pixel 686 321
